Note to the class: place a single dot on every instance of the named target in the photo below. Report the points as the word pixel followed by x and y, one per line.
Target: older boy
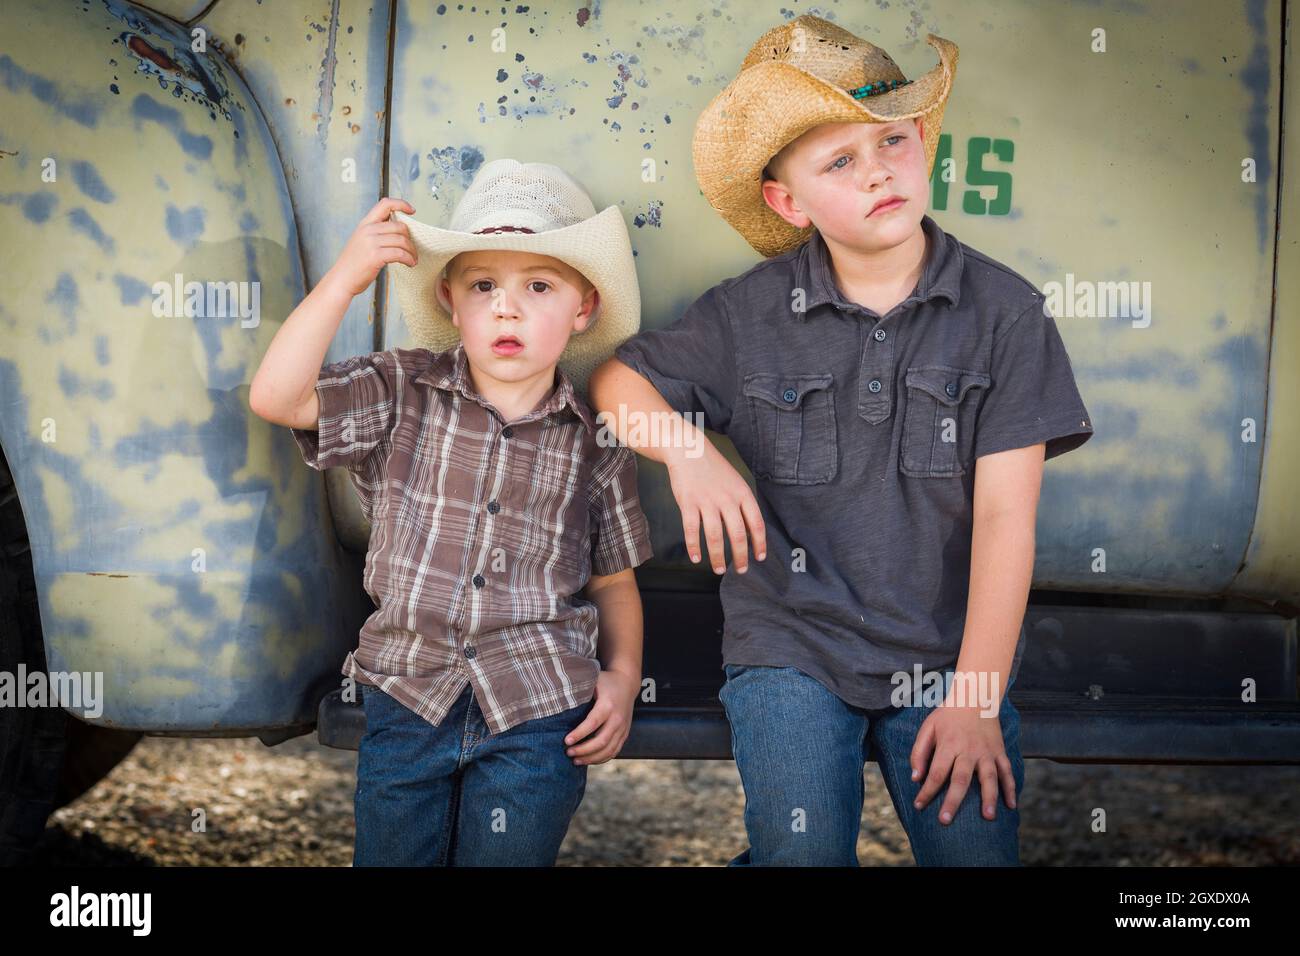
pixel 894 393
pixel 492 505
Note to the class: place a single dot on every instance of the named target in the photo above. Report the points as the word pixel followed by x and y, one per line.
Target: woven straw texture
pixel 795 77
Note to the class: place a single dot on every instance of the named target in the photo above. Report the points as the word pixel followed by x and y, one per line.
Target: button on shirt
pixel 862 431
pixel 481 533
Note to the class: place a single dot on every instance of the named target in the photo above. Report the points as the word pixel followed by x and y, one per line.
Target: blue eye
pixel 896 136
pixel 836 164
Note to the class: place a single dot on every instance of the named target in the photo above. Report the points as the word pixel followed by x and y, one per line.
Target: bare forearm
pixel 621 623
pixel 613 386
pixel 292 364
pixel 1002 568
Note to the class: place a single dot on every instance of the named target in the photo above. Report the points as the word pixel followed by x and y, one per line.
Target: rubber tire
pixel 47 756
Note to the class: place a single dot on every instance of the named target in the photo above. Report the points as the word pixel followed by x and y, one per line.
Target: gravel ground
pixel 292 805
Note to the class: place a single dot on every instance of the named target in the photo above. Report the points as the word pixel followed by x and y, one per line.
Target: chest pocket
pixel 939 421
pixel 793 422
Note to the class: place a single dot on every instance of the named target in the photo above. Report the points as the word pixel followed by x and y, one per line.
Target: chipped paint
pixel 129 434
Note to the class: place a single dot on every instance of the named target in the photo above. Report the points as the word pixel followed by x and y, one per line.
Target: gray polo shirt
pixel 862 432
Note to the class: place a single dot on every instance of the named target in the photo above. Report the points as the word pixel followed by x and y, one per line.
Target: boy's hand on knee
pixel 712 493
pixel 957 742
pixel 610 720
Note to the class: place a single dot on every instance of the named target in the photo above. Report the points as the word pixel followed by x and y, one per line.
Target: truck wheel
pixel 47 756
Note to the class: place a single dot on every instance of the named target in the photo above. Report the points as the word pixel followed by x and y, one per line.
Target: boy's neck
pixel 513 399
pixel 879 280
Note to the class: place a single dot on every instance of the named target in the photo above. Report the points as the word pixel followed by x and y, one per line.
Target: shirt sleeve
pixel 1033 396
pixel 691 363
pixel 620 535
pixel 358 403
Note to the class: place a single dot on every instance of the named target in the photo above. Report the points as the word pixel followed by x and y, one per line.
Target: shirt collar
pixel 940 276
pixel 450 372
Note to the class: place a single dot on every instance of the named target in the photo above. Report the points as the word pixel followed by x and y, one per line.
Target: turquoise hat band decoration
pixel 875 89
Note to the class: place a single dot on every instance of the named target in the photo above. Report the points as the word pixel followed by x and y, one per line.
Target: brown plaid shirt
pixel 481 533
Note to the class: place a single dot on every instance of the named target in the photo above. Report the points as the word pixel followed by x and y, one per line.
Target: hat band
pixel 875 89
pixel 480 232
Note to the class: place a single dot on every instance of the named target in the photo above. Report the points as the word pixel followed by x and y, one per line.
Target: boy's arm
pixel 604 730
pixel 1032 413
pixel 1005 510
pixel 618 602
pixel 688 366
pixel 620 540
pixel 284 389
pixel 965 737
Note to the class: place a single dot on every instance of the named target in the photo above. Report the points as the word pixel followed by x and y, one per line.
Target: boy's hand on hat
pixel 377 241
pixel 711 493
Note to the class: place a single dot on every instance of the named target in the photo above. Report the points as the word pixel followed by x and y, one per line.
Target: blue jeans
pixel 799 747
pixel 456 795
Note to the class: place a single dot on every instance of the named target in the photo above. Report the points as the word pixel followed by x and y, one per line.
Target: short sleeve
pixel 358 402
pixel 1032 397
pixel 620 534
pixel 691 363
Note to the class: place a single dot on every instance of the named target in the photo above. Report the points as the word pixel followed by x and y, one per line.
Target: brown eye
pixel 480 282
pixel 536 282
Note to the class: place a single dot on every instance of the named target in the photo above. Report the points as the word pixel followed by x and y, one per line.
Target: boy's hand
pixel 710 491
pixel 377 241
pixel 611 714
pixel 963 741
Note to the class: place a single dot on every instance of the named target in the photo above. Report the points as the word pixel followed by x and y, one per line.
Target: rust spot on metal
pixel 141 48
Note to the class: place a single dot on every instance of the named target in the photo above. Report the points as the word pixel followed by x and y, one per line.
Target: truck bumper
pixel 1162 683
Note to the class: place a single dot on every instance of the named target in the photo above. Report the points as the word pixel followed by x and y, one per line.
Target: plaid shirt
pixel 481 533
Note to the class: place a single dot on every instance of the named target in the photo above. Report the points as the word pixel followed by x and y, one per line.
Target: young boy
pixel 894 393
pixel 492 505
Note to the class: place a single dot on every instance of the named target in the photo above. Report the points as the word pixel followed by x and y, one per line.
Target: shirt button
pixel 493 507
pixel 507 432
pixel 878 335
pixel 874 385
pixel 789 394
pixel 470 651
pixel 479 580
pixel 951 388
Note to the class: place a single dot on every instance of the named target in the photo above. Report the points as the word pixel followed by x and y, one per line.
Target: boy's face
pixel 835 174
pixel 516 310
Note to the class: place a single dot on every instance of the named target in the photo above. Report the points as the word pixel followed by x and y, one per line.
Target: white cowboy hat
pixel 528 207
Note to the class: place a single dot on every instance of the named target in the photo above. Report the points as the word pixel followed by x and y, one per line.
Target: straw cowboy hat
pixel 799 75
pixel 528 207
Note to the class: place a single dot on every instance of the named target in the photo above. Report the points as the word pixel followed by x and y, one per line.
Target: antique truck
pixel 174 176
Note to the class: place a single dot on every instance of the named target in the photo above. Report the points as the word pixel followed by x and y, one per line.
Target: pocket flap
pixel 947 384
pixel 784 391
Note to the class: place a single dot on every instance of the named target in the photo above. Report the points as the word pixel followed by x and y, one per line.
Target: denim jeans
pixel 798 747
pixel 456 795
